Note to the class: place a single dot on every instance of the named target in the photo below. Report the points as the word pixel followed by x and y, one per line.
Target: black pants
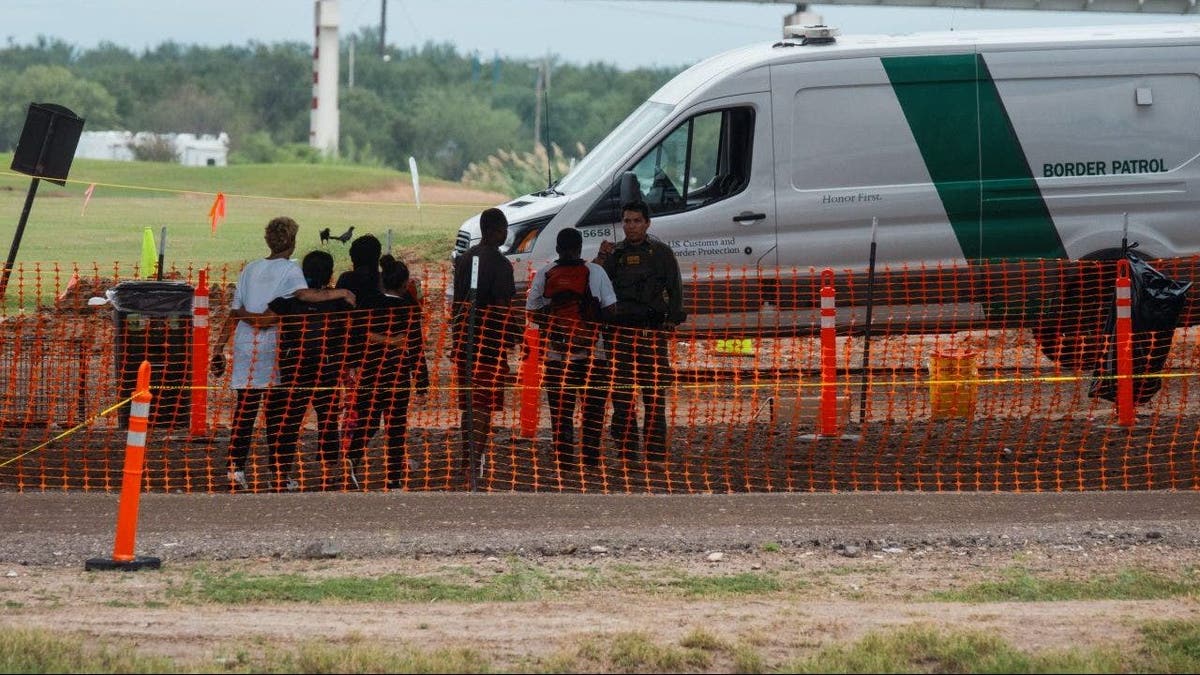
pixel 565 382
pixel 309 386
pixel 245 414
pixel 382 400
pixel 641 358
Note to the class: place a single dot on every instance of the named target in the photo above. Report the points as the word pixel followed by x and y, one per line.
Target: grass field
pixel 468 616
pixel 130 196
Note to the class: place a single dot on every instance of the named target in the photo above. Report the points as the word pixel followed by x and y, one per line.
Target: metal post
pixel 16 243
pixel 382 28
pixel 162 251
pixel 866 357
pixel 1125 235
pixel 469 370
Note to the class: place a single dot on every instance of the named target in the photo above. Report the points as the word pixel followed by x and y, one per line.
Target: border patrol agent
pixel 649 289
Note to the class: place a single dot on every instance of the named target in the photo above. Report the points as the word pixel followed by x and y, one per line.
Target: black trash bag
pixel 153 298
pixel 1158 301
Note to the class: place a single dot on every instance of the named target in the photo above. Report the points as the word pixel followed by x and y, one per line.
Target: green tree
pixel 51 84
pixel 450 127
pixel 366 125
pixel 190 110
pixel 114 68
pixel 444 107
pixel 276 84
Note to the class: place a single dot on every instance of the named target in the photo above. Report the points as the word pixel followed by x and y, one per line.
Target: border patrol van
pixel 965 146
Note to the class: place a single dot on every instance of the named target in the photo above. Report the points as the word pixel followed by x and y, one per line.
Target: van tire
pixel 1074 338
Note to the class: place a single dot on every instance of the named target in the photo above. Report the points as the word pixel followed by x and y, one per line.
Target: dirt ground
pixel 852 564
pixel 432 192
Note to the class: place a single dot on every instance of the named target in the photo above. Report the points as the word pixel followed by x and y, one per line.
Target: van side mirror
pixel 631 189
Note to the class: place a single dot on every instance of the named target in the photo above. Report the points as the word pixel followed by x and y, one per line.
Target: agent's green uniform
pixel 649 292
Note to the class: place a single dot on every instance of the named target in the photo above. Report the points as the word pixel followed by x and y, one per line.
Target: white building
pixel 204 150
pixel 190 149
pixel 105 145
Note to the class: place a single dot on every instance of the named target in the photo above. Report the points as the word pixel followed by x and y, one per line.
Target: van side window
pixel 704 160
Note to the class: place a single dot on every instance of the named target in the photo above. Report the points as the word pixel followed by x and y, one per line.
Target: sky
pixel 627 33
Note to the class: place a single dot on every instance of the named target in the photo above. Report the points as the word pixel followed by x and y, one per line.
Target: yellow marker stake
pixel 149 254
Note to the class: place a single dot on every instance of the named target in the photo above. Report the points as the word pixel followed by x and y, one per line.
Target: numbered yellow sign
pixel 736 347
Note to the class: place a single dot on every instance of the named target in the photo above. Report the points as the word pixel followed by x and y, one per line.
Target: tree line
pixel 444 107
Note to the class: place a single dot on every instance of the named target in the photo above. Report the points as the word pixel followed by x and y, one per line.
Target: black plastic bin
pixel 153 321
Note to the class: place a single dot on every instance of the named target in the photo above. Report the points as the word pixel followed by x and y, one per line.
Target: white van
pixel 966 146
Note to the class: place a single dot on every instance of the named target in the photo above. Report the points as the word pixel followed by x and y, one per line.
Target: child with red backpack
pixel 567 299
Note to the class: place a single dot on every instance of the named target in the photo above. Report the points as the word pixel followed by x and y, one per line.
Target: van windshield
pixel 601 159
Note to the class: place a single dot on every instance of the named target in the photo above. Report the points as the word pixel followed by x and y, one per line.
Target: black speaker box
pixel 48 142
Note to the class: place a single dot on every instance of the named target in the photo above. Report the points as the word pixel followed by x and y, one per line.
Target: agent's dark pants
pixel 565 383
pixel 640 357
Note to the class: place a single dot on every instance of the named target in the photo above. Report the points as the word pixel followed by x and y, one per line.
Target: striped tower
pixel 323 125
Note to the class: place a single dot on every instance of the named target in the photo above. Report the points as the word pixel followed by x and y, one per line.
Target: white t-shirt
pixel 601 288
pixel 254 350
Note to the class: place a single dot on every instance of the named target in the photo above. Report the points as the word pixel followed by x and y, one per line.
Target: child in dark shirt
pixel 363 277
pixel 393 364
pixel 312 346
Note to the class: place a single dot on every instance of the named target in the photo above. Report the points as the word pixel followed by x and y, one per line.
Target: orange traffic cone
pixel 131 485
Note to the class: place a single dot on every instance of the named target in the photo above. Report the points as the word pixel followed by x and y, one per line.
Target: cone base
pixel 823 437
pixel 138 562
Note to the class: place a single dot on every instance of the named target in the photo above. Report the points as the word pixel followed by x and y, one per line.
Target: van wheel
pixel 1074 338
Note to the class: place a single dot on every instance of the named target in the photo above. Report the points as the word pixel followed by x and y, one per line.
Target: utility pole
pixel 537 106
pixel 382 28
pixel 802 16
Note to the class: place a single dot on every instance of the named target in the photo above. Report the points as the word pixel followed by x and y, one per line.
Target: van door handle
pixel 748 217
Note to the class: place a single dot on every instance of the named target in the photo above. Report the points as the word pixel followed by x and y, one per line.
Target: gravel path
pixel 67 528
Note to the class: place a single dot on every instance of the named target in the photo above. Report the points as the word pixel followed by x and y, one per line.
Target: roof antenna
pixel 546 93
pixel 544 85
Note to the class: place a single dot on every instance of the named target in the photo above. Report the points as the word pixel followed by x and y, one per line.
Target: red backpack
pixel 573 311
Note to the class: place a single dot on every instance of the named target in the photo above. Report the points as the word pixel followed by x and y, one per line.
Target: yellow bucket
pixel 952 387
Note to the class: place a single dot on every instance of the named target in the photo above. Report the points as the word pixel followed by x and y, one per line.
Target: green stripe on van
pixel 974 157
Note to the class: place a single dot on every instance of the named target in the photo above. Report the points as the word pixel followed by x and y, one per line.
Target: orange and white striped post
pixel 531 381
pixel 531 377
pixel 1125 408
pixel 200 329
pixel 131 484
pixel 828 420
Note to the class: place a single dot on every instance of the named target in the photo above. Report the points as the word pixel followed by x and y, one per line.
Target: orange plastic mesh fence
pixel 988 376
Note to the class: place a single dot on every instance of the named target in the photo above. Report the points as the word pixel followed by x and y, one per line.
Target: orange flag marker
pixel 87 197
pixel 217 212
